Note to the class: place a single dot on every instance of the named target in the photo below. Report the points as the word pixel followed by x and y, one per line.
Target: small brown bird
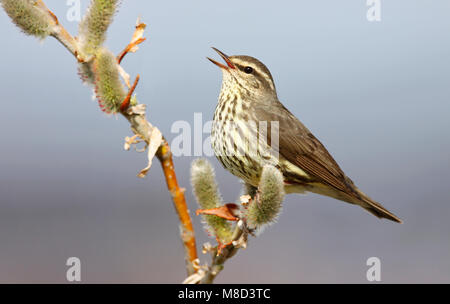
pixel 252 128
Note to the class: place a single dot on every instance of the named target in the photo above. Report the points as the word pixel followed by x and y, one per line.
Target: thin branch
pixel 187 230
pixel 68 41
pixel 221 255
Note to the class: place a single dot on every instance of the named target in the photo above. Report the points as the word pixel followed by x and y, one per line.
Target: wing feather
pixel 300 147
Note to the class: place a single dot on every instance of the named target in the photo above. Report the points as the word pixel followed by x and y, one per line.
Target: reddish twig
pixel 135 41
pixel 126 102
pixel 226 212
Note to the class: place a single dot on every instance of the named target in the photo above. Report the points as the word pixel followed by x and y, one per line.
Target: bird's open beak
pixel 229 65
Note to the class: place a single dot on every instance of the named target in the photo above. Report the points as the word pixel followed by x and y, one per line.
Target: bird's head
pixel 245 75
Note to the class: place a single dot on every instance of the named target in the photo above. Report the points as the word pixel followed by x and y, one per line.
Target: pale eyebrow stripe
pixel 264 76
pixel 255 69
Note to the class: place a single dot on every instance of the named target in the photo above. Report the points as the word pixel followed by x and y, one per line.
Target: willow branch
pixel 187 230
pixel 143 128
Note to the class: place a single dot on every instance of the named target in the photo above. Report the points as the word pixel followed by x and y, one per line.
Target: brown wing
pixel 300 147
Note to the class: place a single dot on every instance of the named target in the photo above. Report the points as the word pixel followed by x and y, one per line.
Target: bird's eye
pixel 248 70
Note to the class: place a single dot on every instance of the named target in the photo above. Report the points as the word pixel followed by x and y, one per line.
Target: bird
pixel 249 115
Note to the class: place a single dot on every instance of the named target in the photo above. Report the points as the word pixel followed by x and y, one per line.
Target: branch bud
pixel 108 87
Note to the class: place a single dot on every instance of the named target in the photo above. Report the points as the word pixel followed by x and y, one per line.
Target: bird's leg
pixel 245 201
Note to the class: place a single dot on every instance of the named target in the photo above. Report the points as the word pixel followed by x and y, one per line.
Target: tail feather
pixel 357 197
pixel 376 208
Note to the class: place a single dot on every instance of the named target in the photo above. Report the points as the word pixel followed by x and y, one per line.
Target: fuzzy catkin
pixel 93 27
pixel 266 206
pixel 108 87
pixel 206 191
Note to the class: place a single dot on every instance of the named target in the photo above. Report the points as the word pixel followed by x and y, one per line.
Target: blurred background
pixel 375 93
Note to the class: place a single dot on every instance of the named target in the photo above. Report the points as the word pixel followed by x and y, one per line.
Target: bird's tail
pixel 357 197
pixel 376 208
